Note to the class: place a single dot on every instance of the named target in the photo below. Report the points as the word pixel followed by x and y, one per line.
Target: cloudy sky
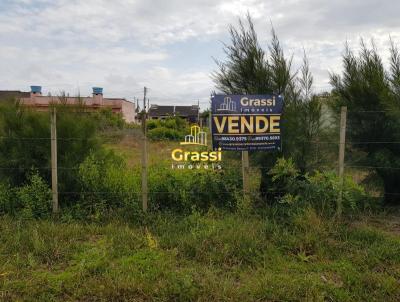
pixel 168 45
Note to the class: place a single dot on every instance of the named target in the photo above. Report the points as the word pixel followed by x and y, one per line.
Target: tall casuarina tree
pixel 249 69
pixel 371 93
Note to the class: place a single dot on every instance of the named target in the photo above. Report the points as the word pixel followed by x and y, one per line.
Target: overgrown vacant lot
pixel 213 257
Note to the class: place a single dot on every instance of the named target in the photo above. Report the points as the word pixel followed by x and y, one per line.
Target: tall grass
pixel 218 256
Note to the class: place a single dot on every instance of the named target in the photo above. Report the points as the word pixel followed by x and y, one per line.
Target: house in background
pixel 11 94
pixel 189 113
pixel 36 100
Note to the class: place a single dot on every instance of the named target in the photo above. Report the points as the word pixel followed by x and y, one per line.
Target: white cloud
pixel 241 7
pixel 126 44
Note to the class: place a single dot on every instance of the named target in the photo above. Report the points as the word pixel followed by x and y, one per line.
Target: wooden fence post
pixel 342 146
pixel 144 155
pixel 54 172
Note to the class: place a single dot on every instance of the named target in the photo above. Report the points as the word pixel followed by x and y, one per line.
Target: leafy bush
pixel 34 197
pixel 176 123
pixel 172 128
pixel 319 190
pixel 183 189
pixel 106 119
pixel 163 133
pixel 323 189
pixel 107 184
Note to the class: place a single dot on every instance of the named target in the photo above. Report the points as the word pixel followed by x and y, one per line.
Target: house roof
pixel 9 94
pixel 186 110
pixel 156 110
pixel 122 99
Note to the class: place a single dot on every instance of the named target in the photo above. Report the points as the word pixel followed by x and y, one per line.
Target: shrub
pixel 107 184
pixel 163 133
pixel 8 201
pixel 319 190
pixel 152 124
pixel 106 119
pixel 34 197
pixel 323 188
pixel 172 128
pixel 284 176
pixel 182 189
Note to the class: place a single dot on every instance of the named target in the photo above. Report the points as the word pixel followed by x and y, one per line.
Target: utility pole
pixel 54 172
pixel 198 113
pixel 342 146
pixel 144 154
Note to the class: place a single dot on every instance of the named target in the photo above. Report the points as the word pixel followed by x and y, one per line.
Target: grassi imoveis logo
pixel 188 159
pixel 196 137
pixel 227 105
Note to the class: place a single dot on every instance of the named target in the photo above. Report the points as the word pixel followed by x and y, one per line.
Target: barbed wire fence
pixel 353 163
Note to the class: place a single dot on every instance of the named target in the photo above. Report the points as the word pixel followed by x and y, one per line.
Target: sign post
pixel 245 173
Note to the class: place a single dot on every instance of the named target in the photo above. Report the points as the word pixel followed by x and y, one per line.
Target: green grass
pixel 213 257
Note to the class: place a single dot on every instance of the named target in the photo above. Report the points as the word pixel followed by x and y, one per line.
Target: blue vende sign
pixel 246 122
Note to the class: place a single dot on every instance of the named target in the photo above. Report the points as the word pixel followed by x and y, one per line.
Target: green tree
pixel 248 69
pixel 78 134
pixel 371 93
pixel 25 144
pixel 303 121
